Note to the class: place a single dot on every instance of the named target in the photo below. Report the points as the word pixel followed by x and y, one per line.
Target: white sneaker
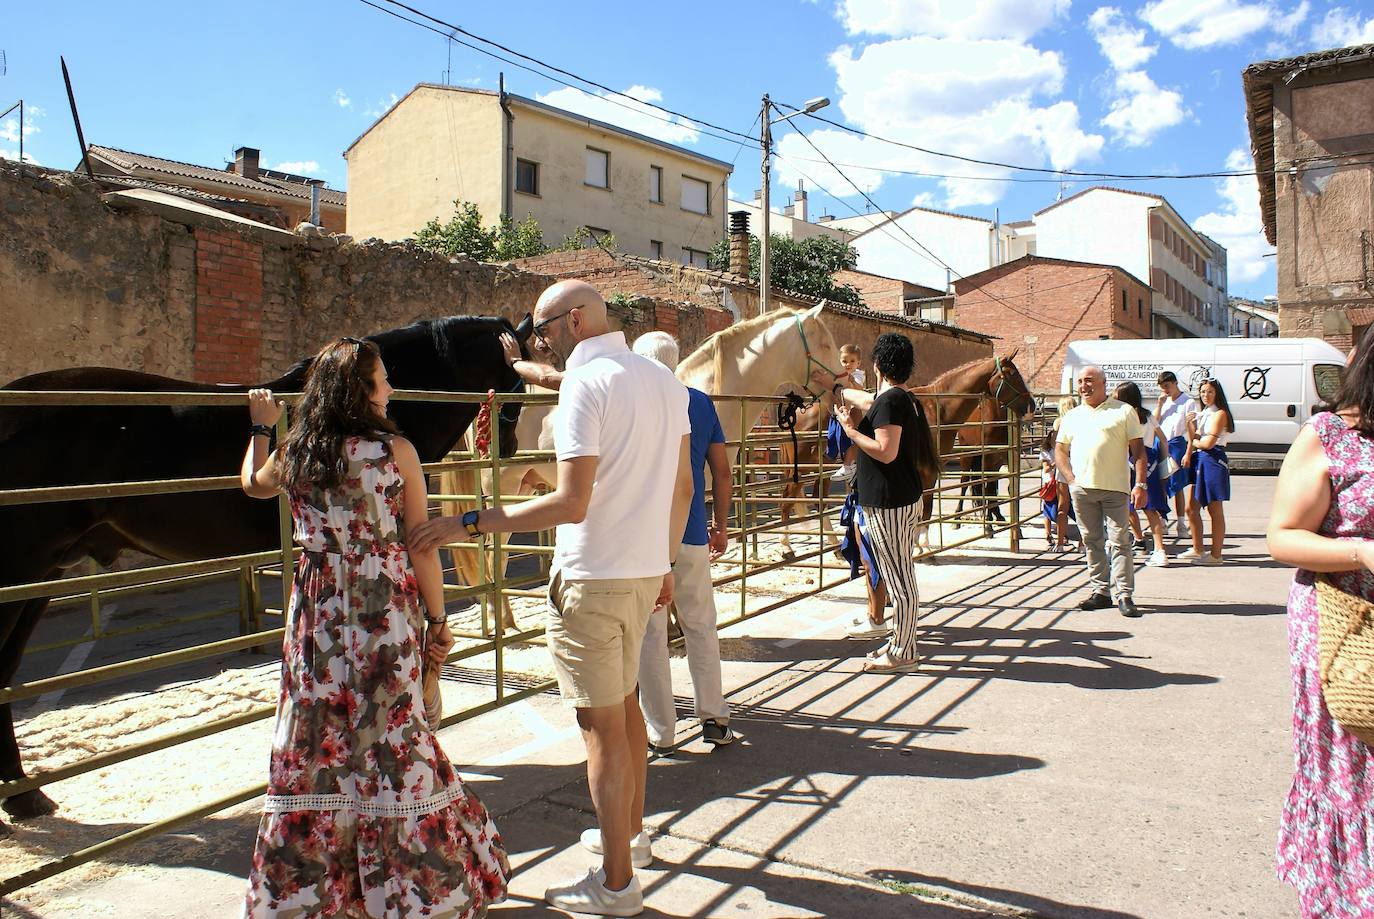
pixel 588 895
pixel 1158 559
pixel 844 473
pixel 1190 556
pixel 1211 561
pixel 641 846
pixel 862 628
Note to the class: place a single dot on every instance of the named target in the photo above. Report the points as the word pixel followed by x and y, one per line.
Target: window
pixel 595 235
pixel 1123 301
pixel 656 184
pixel 696 196
pixel 1140 307
pixel 694 257
pixel 598 168
pixel 527 177
pixel 1327 378
pixel 656 248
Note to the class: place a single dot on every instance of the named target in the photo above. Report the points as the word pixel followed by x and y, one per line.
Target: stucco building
pixel 793 221
pixel 1036 305
pixel 1311 124
pixel 1142 234
pixel 1139 233
pixel 517 156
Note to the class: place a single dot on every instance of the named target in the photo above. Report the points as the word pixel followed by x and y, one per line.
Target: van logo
pixel 1196 377
pixel 1256 383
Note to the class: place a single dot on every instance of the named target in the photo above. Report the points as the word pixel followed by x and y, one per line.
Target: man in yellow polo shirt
pixel 1094 442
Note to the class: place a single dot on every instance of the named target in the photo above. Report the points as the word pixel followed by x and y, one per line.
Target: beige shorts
pixel 594 632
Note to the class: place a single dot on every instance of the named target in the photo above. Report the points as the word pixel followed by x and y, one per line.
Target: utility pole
pixel 766 141
pixel 766 145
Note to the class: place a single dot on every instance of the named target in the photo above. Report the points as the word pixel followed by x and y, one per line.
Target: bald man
pixel 1094 442
pixel 620 507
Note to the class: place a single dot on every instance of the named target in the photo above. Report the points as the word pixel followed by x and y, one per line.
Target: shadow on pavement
pixel 1040 907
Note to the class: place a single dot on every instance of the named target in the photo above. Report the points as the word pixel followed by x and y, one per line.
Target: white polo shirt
pixel 631 413
pixel 1173 416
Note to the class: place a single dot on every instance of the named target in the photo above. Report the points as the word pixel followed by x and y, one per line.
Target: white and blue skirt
pixel 1213 476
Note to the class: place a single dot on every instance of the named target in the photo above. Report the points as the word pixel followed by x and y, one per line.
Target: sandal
pixel 886 663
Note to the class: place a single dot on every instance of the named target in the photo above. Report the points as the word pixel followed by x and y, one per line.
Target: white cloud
pixel 1194 24
pixel 1014 19
pixel 969 97
pixel 384 103
pixel 1123 46
pixel 299 167
pixel 1340 29
pixel 9 130
pixel 923 199
pixel 631 114
pixel 1237 224
pixel 7 154
pixel 1138 107
pixel 341 99
pixel 1142 109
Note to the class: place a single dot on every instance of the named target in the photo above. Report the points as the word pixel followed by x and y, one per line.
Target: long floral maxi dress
pixel 1326 843
pixel 365 817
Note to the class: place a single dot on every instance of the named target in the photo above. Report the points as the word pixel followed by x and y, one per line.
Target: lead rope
pixel 787 421
pixel 482 426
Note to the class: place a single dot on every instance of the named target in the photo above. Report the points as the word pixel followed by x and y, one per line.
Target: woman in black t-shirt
pixel 889 486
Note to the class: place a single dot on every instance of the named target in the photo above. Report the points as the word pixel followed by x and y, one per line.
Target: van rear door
pixel 1265 386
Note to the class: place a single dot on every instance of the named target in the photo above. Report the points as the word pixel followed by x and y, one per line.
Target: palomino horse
pixel 59 445
pixel 994 383
pixel 758 356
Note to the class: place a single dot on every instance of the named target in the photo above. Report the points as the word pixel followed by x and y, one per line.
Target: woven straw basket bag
pixel 1346 654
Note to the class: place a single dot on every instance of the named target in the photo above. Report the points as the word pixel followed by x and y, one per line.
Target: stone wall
pixel 159 284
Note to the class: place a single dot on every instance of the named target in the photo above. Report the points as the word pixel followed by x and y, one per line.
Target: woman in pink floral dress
pixel 365 816
pixel 1322 521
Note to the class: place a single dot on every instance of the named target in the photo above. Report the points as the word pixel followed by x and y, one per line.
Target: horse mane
pixel 943 379
pixel 441 332
pixel 746 329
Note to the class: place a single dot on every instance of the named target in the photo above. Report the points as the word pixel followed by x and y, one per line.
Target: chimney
pixel 315 200
pixel 799 204
pixel 739 243
pixel 246 162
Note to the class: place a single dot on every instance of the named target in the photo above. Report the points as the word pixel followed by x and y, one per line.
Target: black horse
pixel 76 445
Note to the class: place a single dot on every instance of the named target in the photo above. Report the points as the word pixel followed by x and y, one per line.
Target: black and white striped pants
pixel 892 533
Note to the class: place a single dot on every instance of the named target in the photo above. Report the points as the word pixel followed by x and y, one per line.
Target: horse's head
pixel 1008 387
pixel 818 344
pixel 451 354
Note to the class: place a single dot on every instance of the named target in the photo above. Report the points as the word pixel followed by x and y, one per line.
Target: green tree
pixel 807 267
pixel 584 238
pixel 464 233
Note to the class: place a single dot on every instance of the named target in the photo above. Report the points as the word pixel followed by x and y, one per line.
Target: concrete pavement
pixel 1044 762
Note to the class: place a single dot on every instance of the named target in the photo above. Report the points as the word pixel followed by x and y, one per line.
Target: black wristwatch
pixel 470 523
pixel 264 429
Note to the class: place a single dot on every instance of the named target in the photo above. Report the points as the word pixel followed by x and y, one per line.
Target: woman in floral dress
pixel 365 816
pixel 1322 521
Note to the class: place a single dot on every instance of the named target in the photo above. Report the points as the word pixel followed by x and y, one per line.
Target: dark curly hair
pixel 894 357
pixel 335 405
pixel 1357 384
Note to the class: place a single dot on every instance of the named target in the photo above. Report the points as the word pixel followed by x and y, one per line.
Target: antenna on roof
pixel 4 68
pixel 448 44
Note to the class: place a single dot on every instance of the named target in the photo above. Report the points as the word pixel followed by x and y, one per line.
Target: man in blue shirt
pixel 693 593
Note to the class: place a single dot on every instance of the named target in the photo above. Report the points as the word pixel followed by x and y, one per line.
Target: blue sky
pixel 1126 88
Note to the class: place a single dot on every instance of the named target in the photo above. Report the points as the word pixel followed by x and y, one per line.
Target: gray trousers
pixel 1102 519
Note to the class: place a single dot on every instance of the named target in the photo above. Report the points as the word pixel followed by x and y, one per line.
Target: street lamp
pixel 766 141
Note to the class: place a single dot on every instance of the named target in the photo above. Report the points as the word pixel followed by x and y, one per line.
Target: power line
pixel 931 255
pixel 534 60
pixel 1215 174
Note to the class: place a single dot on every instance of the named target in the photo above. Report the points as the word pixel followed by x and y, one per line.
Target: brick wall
pixel 884 295
pixel 228 343
pixel 1037 306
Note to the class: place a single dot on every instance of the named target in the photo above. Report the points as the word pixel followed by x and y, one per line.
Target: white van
pixel 1272 384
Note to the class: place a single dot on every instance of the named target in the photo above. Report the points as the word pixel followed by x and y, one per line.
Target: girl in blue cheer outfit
pixel 1208 434
pixel 1156 506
